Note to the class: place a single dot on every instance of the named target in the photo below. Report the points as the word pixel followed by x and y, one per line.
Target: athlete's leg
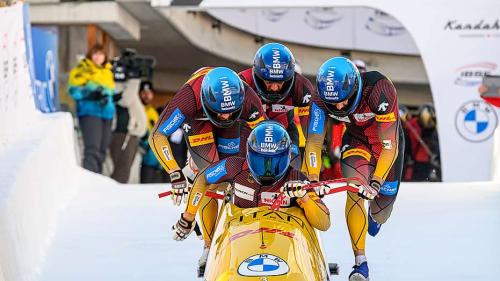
pixel 208 217
pixel 381 207
pixel 356 163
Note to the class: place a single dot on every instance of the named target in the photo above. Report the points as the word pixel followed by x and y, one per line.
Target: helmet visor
pixel 268 169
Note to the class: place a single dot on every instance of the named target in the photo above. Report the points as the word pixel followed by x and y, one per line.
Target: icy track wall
pixel 37 160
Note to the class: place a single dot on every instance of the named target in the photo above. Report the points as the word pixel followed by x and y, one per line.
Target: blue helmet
pixel 222 92
pixel 273 62
pixel 338 80
pixel 268 152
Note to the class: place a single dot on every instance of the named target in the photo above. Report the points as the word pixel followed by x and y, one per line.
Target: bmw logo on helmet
pixel 339 80
pixel 222 93
pixel 273 62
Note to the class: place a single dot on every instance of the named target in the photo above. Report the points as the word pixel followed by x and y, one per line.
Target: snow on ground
pixel 122 232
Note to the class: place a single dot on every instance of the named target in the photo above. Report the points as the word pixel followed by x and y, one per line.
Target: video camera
pixel 131 65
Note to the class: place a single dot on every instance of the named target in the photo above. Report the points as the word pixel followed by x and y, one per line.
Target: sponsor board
pixel 471 75
pixel 476 121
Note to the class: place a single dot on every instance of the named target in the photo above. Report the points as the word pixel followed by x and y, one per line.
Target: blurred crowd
pixel 115 116
pixel 5 3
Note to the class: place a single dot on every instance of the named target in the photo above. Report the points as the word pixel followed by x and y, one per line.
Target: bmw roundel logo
pixel 263 265
pixel 476 121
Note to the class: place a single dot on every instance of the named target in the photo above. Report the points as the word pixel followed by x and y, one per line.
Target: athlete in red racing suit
pixel 207 140
pixel 372 146
pixel 285 96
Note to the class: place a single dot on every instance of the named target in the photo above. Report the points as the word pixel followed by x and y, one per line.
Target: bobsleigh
pixel 265 245
pixel 268 243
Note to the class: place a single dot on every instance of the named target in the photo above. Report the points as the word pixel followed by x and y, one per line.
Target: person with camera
pixel 131 125
pixel 92 86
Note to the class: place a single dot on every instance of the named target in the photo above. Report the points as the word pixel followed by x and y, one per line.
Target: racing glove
pixel 369 192
pixel 294 189
pixel 179 187
pixel 182 229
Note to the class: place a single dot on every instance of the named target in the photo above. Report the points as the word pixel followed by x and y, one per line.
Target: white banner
pixel 16 98
pixel 339 28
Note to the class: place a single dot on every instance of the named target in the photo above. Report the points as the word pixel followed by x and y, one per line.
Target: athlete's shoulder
pixel 303 90
pixel 372 77
pixel 381 95
pixel 247 76
pixel 225 170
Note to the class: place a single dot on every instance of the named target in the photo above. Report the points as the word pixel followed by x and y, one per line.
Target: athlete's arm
pixel 383 102
pixel 303 97
pixel 222 171
pixel 180 109
pixel 311 164
pixel 315 210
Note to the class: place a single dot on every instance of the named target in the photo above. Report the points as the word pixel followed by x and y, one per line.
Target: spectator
pixel 424 144
pixel 92 86
pixel 361 65
pixel 131 124
pixel 151 169
pixel 405 116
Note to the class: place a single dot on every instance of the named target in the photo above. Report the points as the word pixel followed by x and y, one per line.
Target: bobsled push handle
pixel 334 186
pixel 208 193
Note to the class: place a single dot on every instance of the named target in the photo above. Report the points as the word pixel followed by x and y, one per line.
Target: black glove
pixel 117 97
pixel 98 95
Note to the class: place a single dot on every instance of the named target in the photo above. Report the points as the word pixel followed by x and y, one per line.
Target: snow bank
pixel 38 177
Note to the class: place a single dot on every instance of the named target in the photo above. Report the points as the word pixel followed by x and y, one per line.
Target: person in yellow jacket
pixel 151 169
pixel 92 86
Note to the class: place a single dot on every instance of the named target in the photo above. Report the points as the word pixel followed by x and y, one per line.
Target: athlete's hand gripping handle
pixel 370 191
pixel 294 189
pixel 179 187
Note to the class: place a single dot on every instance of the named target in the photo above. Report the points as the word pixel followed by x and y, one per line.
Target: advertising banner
pixel 45 40
pixel 16 95
pixel 337 28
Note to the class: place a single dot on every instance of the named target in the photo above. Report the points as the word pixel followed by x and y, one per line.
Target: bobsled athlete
pixel 257 179
pixel 209 109
pixel 285 93
pixel 372 145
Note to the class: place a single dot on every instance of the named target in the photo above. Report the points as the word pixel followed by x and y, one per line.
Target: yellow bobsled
pixel 259 244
